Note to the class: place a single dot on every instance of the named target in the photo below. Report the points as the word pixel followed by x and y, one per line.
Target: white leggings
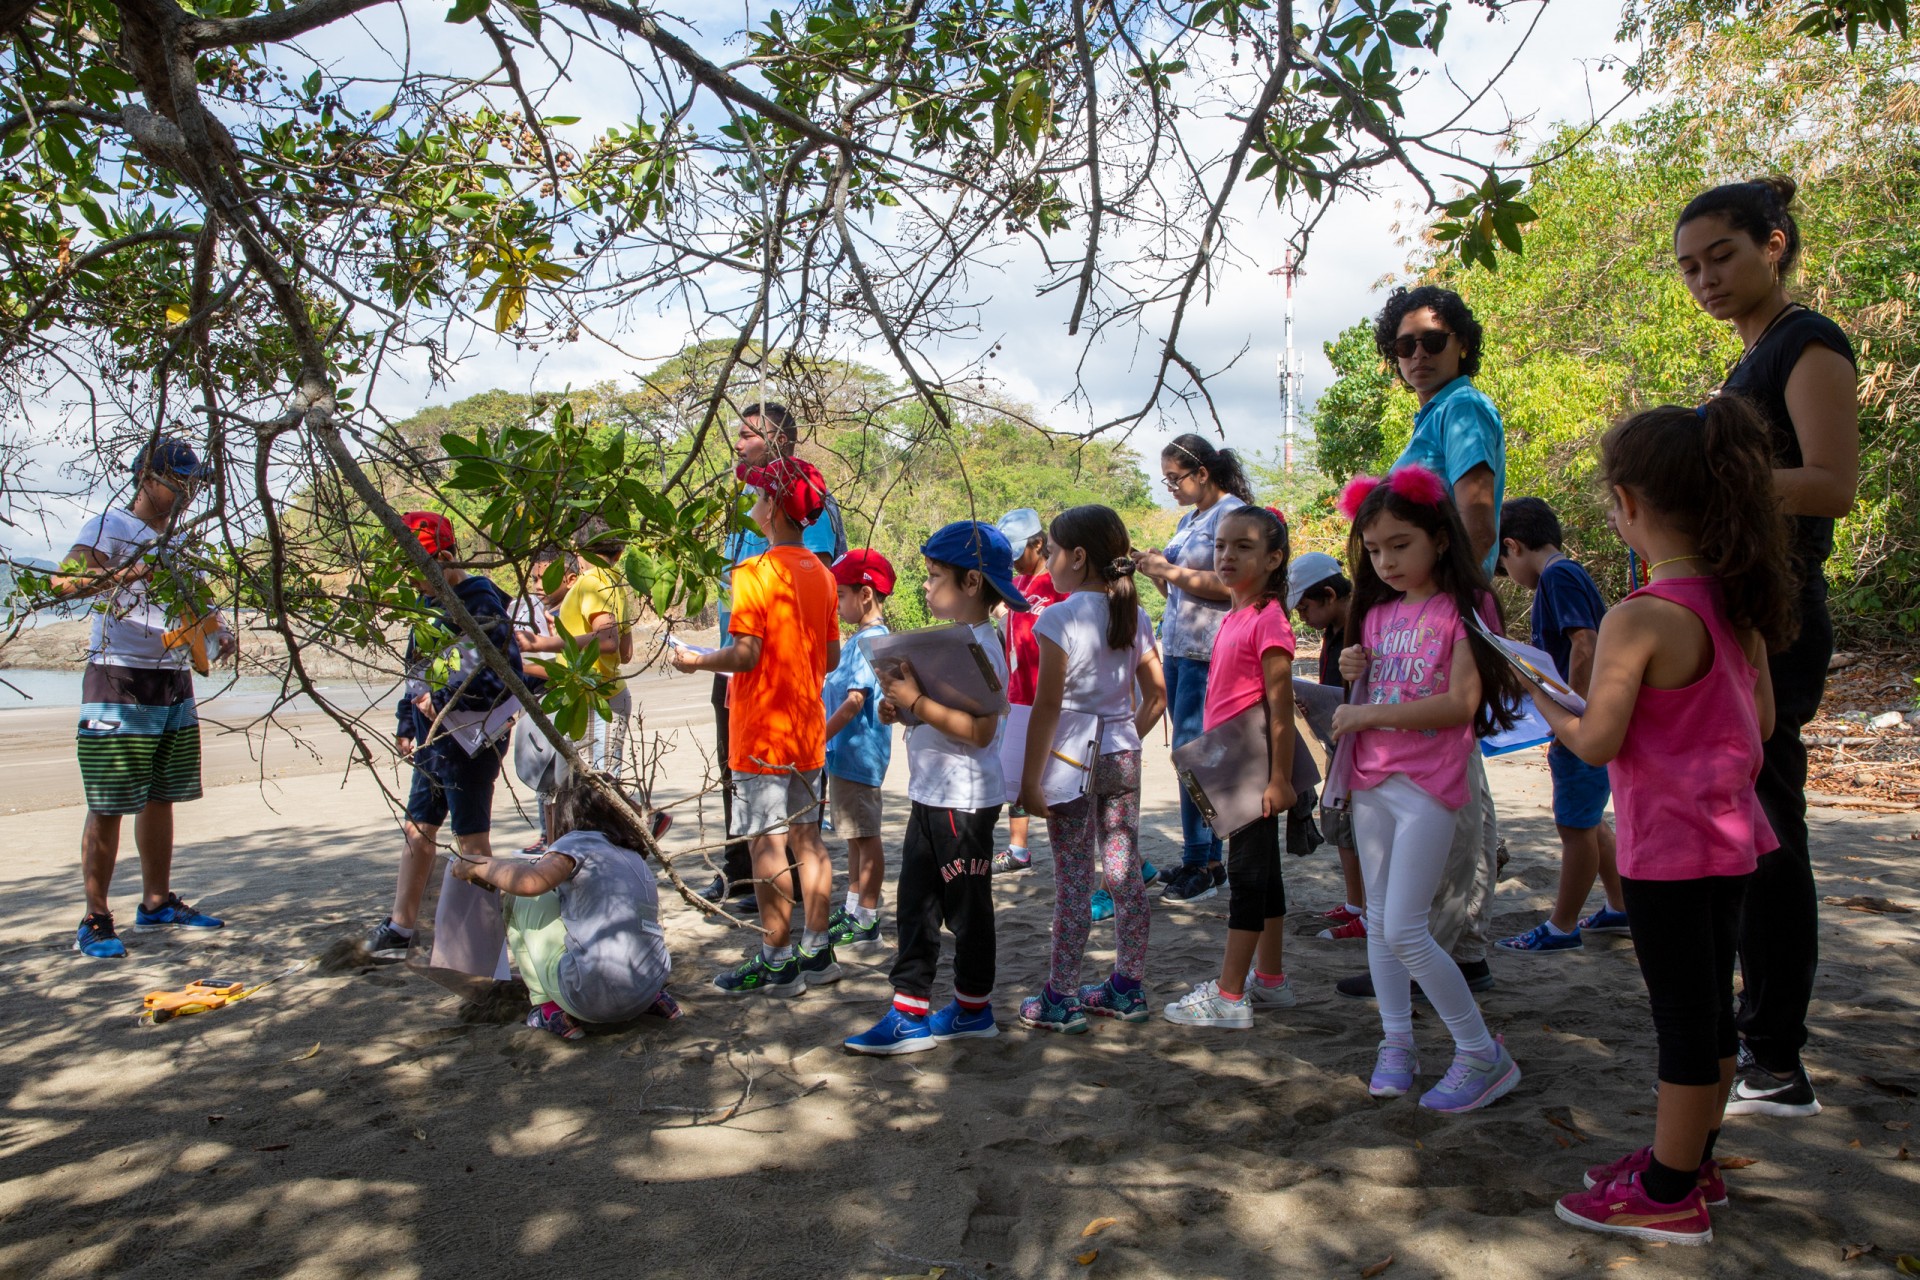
pixel 1402 835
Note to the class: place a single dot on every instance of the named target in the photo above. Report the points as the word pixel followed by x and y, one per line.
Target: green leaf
pixel 466 10
pixel 380 113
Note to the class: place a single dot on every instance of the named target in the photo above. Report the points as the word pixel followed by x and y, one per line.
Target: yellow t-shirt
pixel 593 593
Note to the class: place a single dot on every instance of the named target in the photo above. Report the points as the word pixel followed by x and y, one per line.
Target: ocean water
pixel 25 687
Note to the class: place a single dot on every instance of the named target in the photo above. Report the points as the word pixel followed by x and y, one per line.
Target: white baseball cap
pixel 1019 526
pixel 1305 572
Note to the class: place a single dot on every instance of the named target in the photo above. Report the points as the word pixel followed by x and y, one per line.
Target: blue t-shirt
pixel 826 536
pixel 1458 430
pixel 1566 600
pixel 861 751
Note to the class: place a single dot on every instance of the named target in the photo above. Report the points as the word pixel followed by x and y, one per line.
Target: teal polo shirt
pixel 1456 431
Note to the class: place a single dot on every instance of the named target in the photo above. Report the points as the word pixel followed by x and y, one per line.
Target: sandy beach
pixel 356 1121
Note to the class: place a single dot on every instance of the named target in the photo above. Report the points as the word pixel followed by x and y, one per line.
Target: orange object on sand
pixel 196 997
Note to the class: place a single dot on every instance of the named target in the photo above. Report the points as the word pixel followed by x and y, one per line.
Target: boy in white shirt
pixel 955 783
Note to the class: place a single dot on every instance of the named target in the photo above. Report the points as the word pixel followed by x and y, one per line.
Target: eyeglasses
pixel 1174 482
pixel 1433 342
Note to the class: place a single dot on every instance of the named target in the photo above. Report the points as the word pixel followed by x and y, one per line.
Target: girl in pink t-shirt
pixel 1427 689
pixel 1252 663
pixel 1678 706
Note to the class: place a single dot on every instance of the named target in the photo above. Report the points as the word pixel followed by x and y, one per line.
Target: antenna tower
pixel 1287 366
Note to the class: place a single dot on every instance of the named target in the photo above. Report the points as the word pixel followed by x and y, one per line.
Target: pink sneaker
pixel 1352 929
pixel 1621 1208
pixel 1712 1186
pixel 1339 915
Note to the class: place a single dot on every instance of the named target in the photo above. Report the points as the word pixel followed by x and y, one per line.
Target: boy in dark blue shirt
pixel 453 727
pixel 1566 621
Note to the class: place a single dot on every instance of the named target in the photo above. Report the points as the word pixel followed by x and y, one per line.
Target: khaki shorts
pixel 856 808
pixel 767 804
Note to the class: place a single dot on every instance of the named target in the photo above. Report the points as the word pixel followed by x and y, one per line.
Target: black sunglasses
pixel 1433 341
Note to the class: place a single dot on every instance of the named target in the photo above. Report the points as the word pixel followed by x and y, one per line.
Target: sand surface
pixel 351 1121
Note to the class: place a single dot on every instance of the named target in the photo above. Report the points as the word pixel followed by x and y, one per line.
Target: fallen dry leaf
pixel 1855 1144
pixel 1369 1272
pixel 1419 1145
pixel 276 1146
pixel 1898 1126
pixel 933 1274
pixel 1618 1263
pixel 419 1135
pixel 1872 905
pixel 1095 1227
pixel 1848 1252
pixel 1907 1265
pixel 302 1057
pixel 1738 1162
pixel 1086 1259
pixel 1901 1154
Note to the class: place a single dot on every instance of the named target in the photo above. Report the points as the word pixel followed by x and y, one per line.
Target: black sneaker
pixel 1759 1092
pixel 1359 986
pixel 715 891
pixel 1217 873
pixel 817 968
pixel 1190 884
pixel 755 977
pixel 387 944
pixel 1478 973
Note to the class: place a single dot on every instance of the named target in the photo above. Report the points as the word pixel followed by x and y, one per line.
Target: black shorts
pixel 446 780
pixel 1255 893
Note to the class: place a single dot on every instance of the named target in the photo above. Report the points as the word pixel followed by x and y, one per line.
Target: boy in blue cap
pixel 956 787
pixel 139 738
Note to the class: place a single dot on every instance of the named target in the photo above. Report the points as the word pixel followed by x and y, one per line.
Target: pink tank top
pixel 1683 796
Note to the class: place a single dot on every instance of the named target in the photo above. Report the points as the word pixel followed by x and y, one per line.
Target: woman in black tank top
pixel 1736 246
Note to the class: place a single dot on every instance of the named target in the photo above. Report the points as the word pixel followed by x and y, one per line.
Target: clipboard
pixel 949 662
pixel 1535 667
pixel 1225 770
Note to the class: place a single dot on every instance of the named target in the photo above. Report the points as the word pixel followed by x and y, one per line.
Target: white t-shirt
pixel 1100 678
pixel 129 629
pixel 945 773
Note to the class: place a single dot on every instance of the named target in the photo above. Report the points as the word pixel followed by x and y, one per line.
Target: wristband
pixel 914 710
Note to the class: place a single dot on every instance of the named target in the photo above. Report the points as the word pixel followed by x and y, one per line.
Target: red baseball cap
pixel 864 567
pixel 434 530
pixel 797 486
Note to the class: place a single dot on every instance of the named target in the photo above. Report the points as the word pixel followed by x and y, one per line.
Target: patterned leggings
pixel 1106 821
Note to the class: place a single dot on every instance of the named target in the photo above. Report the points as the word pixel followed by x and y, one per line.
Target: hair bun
pixel 1123 567
pixel 1780 186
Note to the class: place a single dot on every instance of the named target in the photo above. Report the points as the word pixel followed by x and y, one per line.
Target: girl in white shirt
pixel 1082 764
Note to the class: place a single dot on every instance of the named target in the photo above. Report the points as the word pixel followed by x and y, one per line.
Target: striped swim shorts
pixel 139 738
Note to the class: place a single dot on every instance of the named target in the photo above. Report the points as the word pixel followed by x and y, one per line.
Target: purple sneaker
pixel 1394 1068
pixel 551 1017
pixel 1472 1083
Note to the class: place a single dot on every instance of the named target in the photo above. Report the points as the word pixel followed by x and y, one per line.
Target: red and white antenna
pixel 1292 377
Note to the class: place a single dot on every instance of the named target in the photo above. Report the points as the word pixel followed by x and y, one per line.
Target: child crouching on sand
pixel 583 922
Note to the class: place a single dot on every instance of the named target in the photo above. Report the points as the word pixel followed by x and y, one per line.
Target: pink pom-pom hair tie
pixel 1356 493
pixel 1417 484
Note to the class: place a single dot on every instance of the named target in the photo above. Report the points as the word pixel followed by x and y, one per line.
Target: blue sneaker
pixel 1148 872
pixel 1472 1083
pixel 171 914
pixel 1104 1001
pixel 955 1023
pixel 97 940
pixel 1044 1013
pixel 895 1033
pixel 1102 905
pixel 1540 940
pixel 1606 920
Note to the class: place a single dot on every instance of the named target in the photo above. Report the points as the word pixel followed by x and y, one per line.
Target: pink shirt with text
pixel 1412 658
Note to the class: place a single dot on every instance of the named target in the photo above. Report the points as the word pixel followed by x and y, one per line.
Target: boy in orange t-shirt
pixel 786 637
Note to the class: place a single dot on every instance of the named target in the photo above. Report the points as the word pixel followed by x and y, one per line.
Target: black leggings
pixel 1684 932
pixel 1255 893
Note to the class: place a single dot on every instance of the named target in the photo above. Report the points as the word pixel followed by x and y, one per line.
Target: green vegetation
pixel 1594 322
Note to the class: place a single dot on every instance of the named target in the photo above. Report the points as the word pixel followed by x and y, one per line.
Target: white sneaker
pixel 1203 1007
pixel 1264 997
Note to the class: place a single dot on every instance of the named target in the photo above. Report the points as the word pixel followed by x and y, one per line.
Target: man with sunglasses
pixel 139 735
pixel 1432 340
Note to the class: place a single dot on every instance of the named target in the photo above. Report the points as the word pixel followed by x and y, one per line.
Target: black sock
pixel 1706 1154
pixel 1667 1186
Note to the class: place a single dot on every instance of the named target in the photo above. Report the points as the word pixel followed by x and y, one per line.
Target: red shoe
pixel 1354 928
pixel 1713 1188
pixel 1621 1208
pixel 1339 915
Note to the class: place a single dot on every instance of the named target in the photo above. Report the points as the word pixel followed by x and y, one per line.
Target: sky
pixel 1560 76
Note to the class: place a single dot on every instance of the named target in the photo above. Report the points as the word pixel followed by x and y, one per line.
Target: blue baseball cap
pixel 974 544
pixel 170 457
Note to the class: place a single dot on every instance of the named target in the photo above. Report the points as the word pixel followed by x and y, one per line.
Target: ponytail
pixel 1102 534
pixel 1223 466
pixel 1709 472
